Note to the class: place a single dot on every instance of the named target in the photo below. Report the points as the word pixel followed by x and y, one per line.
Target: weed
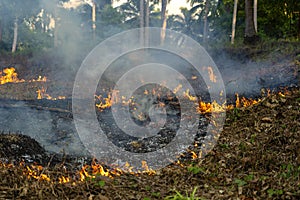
pixel 179 196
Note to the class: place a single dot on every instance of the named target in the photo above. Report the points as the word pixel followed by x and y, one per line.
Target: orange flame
pixel 34 173
pixel 9 75
pixel 42 94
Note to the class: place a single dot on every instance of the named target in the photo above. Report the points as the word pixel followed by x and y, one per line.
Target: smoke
pixel 53 131
pixel 247 77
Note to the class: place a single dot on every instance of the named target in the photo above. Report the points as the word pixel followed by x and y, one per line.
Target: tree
pixel 185 23
pixel 234 21
pixel 250 32
pixel 202 7
pixel 20 11
pixel 205 27
pixel 163 17
pixel 255 14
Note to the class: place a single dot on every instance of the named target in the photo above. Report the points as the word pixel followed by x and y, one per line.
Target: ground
pixel 257 157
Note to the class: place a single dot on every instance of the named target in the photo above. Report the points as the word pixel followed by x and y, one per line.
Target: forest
pixel 41 25
pixel 244 144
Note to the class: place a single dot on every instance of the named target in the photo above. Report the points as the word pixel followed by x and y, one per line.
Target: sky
pixel 173 6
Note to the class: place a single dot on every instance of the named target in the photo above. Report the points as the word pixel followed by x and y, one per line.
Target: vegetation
pixel 41 24
pixel 257 157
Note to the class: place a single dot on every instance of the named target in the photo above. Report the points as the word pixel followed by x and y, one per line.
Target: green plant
pixel 240 182
pixel 101 183
pixel 252 139
pixel 155 194
pixel 179 196
pixel 290 171
pixel 235 114
pixel 195 169
pixel 273 192
pixel 249 177
pixel 225 146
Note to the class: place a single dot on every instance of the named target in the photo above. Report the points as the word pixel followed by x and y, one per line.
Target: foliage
pixel 179 196
pixel 276 20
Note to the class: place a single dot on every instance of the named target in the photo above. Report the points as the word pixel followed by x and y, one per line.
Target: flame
pixel 147 169
pixel 34 173
pixel 63 179
pixel 190 97
pixel 177 88
pixel 107 102
pixel 40 79
pixel 212 76
pixel 244 102
pixel 194 77
pixel 42 94
pixel 193 154
pixel 9 75
pixel 202 107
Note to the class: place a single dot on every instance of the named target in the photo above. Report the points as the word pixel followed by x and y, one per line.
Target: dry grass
pixel 257 157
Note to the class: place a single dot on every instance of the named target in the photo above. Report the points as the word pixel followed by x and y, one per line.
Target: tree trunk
pixel 255 15
pixel 250 33
pixel 142 22
pixel 94 20
pixel 0 31
pixel 14 45
pixel 205 21
pixel 163 18
pixel 147 15
pixel 147 22
pixel 234 21
pixel 55 31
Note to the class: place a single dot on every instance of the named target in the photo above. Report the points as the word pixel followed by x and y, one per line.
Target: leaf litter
pixel 256 157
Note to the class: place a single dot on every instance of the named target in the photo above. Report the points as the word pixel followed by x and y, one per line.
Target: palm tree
pixel 186 23
pixel 250 32
pixel 234 21
pixel 203 8
pixel 163 18
pixel 131 9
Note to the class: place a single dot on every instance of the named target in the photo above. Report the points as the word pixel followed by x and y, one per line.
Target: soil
pixel 257 156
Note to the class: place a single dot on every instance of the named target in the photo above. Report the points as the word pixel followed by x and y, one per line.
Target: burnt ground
pixel 256 157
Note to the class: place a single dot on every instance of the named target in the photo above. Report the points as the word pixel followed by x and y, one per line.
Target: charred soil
pixel 257 156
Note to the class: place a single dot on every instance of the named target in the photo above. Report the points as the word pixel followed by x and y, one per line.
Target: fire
pixel 202 107
pixel 188 96
pixel 9 75
pixel 34 172
pixel 39 79
pixel 212 76
pixel 105 102
pixel 147 169
pixel 42 94
pixel 86 172
pixel 63 179
pixel 177 88
pixel 244 102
